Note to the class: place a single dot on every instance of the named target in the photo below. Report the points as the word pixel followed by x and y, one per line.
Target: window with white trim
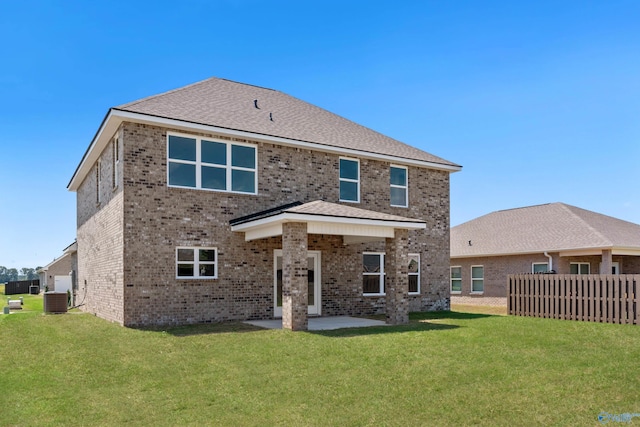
pixel 579 268
pixel 98 179
pixel 373 273
pixel 210 164
pixel 349 180
pixel 540 267
pixel 116 161
pixel 456 279
pixel 196 263
pixel 399 186
pixel 477 279
pixel 414 273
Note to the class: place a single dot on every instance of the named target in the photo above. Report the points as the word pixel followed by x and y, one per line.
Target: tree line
pixel 13 274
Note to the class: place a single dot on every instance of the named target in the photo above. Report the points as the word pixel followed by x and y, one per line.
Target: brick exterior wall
pixel 127 243
pixel 496 270
pixel 100 243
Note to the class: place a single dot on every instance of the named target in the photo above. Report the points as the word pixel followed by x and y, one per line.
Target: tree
pixel 29 273
pixel 12 275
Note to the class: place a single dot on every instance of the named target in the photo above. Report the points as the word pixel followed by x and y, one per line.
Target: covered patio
pixel 296 221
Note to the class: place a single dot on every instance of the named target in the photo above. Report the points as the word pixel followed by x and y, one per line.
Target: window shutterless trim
pixel 533 266
pixel 451 279
pixel 199 164
pixel 579 264
pixel 477 278
pixel 116 161
pixel 415 274
pixel 98 180
pixel 356 181
pixel 381 274
pixel 197 263
pixel 404 187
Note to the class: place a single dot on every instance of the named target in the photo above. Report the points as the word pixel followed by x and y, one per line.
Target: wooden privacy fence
pixel 584 297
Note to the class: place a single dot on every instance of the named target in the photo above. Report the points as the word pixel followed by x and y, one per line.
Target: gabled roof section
pixel 554 227
pixel 356 225
pixel 237 106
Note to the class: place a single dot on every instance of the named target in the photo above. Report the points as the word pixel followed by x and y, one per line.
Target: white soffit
pixel 375 229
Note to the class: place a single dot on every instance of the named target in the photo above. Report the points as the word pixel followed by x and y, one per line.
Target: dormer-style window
pixel 210 164
pixel 349 180
pixel 399 187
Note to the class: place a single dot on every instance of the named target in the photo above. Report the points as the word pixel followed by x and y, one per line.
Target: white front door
pixel 313 268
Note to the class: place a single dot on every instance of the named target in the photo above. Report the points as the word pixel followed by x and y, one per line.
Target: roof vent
pixel 271 116
pixel 255 103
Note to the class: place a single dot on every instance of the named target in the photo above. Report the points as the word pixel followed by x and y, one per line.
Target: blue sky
pixel 539 101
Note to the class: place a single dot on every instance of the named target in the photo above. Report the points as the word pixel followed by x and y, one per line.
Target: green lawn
pixel 449 368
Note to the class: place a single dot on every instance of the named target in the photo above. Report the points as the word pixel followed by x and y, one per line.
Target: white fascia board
pixel 180 124
pixel 108 127
pixel 294 217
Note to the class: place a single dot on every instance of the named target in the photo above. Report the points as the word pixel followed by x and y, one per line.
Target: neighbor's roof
pixel 554 227
pixel 219 105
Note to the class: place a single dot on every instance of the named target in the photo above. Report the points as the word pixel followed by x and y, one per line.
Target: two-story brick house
pixel 226 201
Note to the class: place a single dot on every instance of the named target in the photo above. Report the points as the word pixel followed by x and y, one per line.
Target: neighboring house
pixel 538 239
pixel 226 201
pixel 59 275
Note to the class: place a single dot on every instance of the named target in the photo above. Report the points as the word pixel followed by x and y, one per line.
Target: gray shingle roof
pixel 550 227
pixel 231 105
pixel 322 208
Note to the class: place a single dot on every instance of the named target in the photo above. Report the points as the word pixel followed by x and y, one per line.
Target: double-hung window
pixel 349 180
pixel 373 273
pixel 414 273
pixel 456 279
pixel 196 263
pixel 579 268
pixel 399 186
pixel 209 164
pixel 477 279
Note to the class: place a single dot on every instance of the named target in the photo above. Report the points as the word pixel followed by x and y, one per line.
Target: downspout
pixel 550 261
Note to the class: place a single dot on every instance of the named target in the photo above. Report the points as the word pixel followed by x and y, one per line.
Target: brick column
pixel 294 276
pixel 607 262
pixel 397 279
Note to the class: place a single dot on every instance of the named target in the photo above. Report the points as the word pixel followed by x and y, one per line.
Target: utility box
pixel 55 302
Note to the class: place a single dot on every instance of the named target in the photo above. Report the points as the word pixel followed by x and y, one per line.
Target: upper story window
pixel 196 263
pixel 349 180
pixel 98 179
pixel 399 186
pixel 477 278
pixel 116 162
pixel 579 268
pixel 456 279
pixel 205 163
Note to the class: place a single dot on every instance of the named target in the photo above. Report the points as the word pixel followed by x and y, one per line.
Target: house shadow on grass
pixel 205 329
pixel 418 322
pixel 412 326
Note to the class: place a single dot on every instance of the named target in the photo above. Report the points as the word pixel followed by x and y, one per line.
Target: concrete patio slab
pixel 322 323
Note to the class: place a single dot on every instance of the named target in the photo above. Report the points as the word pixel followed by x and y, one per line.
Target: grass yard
pixel 449 368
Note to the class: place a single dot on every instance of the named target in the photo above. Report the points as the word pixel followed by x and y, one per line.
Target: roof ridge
pixel 157 95
pixel 583 221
